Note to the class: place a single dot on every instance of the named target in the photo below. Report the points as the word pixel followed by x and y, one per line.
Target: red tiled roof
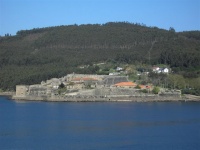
pixel 89 79
pixel 125 84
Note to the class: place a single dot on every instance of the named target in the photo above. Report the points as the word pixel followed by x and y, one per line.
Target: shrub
pixel 61 86
pixel 138 87
pixel 145 91
pixel 156 90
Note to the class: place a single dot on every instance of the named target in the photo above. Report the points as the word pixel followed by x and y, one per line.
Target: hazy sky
pixel 18 15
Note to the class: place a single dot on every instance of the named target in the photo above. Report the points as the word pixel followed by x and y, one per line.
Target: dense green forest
pixel 32 56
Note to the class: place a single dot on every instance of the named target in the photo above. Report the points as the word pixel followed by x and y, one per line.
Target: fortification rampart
pixel 119 98
pixel 44 92
pixel 69 77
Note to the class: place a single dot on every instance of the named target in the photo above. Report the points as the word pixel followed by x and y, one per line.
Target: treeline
pixel 39 54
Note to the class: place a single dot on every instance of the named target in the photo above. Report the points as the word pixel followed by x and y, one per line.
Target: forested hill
pixel 39 54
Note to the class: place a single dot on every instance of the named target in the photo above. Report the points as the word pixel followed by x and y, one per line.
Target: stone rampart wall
pixel 21 90
pixel 72 76
pixel 114 98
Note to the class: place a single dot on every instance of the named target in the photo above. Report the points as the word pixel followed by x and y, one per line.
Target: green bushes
pixel 156 90
pixel 191 91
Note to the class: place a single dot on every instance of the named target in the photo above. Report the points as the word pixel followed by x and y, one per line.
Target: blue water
pixel 122 125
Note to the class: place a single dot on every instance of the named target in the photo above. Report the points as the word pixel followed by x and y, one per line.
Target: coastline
pixel 7 94
pixel 119 98
pixel 127 98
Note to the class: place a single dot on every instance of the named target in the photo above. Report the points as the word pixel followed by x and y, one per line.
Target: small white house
pixel 119 69
pixel 165 70
pixel 156 69
pixel 160 70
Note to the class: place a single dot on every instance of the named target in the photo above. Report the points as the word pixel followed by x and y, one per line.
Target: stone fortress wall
pixel 21 90
pixel 103 92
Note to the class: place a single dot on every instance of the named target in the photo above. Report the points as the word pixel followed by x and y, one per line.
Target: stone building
pixel 21 90
pixel 37 90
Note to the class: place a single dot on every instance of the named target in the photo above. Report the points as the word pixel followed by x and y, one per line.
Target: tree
pixel 156 90
pixel 138 87
pixel 171 29
pixel 61 86
pixel 176 81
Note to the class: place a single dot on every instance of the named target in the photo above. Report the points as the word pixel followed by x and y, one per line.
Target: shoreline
pixel 128 98
pixel 7 94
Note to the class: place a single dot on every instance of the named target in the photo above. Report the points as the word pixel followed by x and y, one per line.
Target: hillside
pixel 39 54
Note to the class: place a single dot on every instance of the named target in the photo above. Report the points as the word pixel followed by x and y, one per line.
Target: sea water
pixel 99 125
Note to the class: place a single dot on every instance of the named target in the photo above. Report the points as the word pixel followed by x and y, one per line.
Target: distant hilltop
pixel 44 53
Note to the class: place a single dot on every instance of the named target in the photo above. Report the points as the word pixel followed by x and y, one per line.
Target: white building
pixel 160 70
pixel 165 70
pixel 119 69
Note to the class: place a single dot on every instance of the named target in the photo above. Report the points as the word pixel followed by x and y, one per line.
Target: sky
pixel 15 15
